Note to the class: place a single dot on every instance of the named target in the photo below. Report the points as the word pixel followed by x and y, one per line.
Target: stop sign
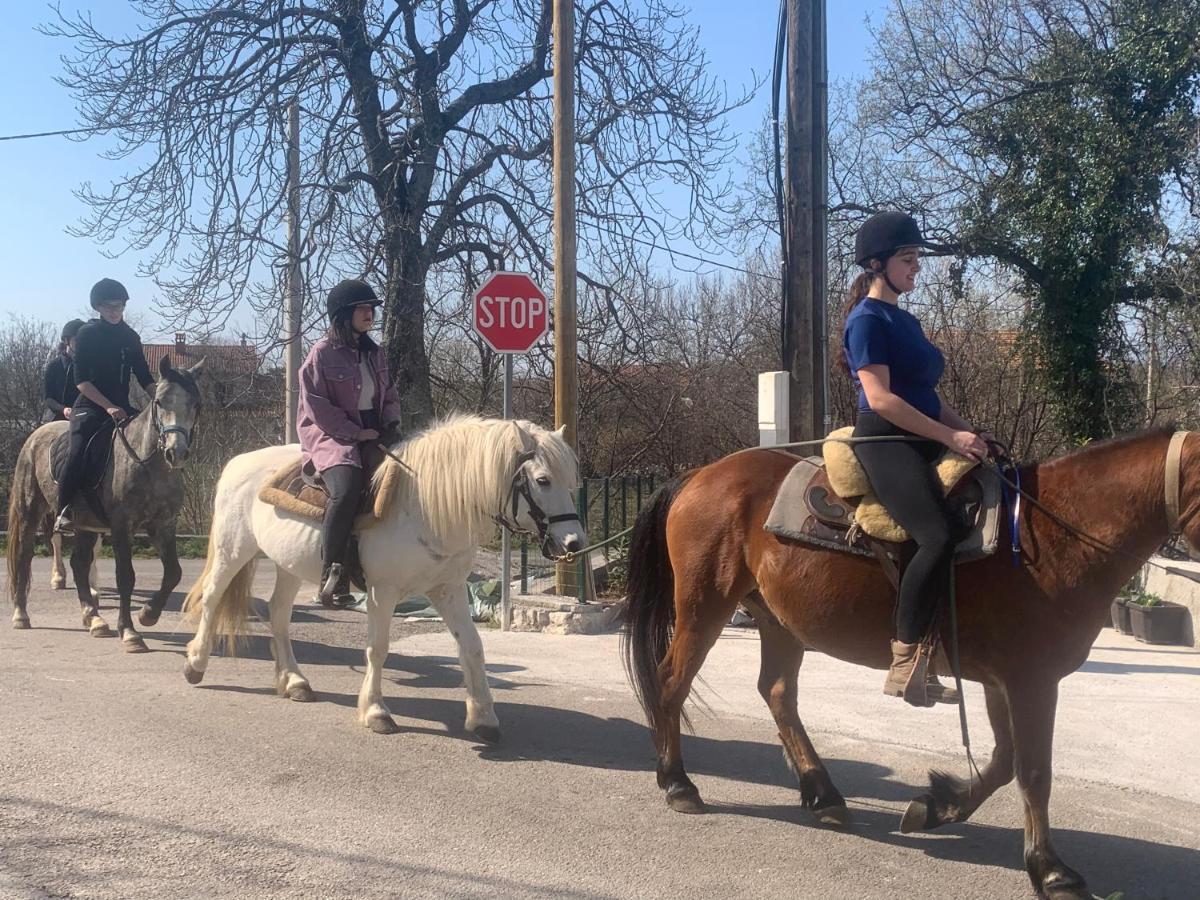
pixel 511 312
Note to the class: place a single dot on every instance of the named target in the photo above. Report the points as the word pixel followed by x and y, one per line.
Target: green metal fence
pixel 607 507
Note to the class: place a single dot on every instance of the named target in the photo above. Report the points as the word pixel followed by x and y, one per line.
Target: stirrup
pixel 64 523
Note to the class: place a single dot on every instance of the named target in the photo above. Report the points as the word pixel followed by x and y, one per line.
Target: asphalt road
pixel 118 780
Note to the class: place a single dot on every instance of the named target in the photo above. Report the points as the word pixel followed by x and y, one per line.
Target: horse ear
pixel 198 368
pixel 561 432
pixel 164 366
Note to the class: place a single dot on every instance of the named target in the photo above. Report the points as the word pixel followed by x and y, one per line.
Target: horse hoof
pixel 147 618
pixel 58 584
pixel 836 816
pixel 99 629
pixel 133 643
pixel 686 800
pixel 383 725
pixel 301 693
pixel 192 674
pixel 489 734
pixel 916 817
pixel 21 624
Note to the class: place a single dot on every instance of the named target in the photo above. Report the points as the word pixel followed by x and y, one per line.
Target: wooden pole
pixel 566 383
pixel 804 348
pixel 295 292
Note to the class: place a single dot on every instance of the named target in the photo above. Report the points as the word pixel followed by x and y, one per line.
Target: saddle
pixel 96 457
pixel 292 489
pixel 828 503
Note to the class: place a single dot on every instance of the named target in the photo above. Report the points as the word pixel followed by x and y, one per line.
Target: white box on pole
pixel 773 424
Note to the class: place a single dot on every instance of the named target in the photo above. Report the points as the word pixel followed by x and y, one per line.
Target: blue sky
pixel 48 272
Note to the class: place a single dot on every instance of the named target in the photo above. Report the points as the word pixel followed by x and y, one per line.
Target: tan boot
pixel 910 677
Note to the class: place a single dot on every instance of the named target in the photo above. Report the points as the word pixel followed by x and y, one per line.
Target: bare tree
pixel 426 145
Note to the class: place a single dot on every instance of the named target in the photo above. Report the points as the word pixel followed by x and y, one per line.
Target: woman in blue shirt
pixel 896 369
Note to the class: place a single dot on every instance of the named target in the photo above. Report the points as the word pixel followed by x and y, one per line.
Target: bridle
pixel 520 489
pixel 163 432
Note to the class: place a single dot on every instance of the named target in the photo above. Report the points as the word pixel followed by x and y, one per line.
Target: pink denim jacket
pixel 327 419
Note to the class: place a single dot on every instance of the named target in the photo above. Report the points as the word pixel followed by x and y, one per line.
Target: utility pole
pixel 805 332
pixel 566 381
pixel 291 317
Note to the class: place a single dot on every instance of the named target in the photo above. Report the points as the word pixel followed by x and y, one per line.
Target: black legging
pixel 902 477
pixel 87 420
pixel 345 485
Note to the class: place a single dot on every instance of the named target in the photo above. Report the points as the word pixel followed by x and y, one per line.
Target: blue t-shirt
pixel 879 333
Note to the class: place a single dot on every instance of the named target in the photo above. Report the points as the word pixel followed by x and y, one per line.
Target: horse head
pixel 545 477
pixel 176 409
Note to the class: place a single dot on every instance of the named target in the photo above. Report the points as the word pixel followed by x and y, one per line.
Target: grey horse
pixel 142 487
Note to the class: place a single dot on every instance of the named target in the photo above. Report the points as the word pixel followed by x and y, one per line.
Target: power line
pixel 65 131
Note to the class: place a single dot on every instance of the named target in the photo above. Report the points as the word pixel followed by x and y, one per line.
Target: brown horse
pixel 699 549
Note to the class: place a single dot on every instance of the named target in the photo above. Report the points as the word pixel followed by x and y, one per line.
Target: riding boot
pixel 910 677
pixel 335 587
pixel 65 523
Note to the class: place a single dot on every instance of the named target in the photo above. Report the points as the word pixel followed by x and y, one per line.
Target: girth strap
pixel 1174 454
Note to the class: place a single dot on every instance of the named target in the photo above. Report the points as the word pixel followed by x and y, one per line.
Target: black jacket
pixel 106 355
pixel 60 385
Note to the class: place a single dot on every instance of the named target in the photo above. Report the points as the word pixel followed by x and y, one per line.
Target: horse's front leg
pixel 1032 706
pixel 381 605
pixel 83 565
pixel 451 602
pixel 122 544
pixel 164 541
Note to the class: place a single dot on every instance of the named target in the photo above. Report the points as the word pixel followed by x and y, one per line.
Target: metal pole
pixel 821 213
pixel 566 385
pixel 291 336
pixel 506 536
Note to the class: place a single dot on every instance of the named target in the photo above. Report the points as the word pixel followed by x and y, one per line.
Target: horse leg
pixel 214 582
pixel 82 562
pixel 122 544
pixel 19 568
pixel 164 540
pixel 782 654
pixel 451 602
pixel 381 605
pixel 289 680
pixel 58 571
pixel 699 621
pixel 950 799
pixel 1032 707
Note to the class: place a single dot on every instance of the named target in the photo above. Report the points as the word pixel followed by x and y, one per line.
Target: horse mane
pixel 1107 445
pixel 185 380
pixel 457 472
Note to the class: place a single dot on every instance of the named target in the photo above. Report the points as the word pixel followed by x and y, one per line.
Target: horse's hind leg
pixel 700 617
pixel 451 602
pixel 122 544
pixel 950 799
pixel 58 571
pixel 782 654
pixel 82 563
pixel 289 680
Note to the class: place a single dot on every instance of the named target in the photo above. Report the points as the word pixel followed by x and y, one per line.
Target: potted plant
pixel 1154 620
pixel 1119 611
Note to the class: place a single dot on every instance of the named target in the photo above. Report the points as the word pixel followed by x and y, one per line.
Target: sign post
pixel 511 314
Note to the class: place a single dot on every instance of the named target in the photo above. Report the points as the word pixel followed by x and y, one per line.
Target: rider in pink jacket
pixel 347 406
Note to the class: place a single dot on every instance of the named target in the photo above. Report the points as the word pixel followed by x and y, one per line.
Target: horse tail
pixel 231 609
pixel 650 608
pixel 21 524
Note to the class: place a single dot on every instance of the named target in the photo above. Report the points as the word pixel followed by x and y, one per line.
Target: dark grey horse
pixel 142 487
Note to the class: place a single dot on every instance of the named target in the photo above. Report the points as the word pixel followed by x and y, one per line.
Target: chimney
pixel 180 344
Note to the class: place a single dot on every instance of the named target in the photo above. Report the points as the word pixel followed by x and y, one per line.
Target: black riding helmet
pixel 71 329
pixel 885 233
pixel 108 290
pixel 348 294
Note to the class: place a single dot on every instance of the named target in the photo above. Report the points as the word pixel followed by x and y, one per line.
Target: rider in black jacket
pixel 108 352
pixel 59 379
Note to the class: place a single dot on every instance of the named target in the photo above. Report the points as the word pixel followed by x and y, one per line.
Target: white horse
pixel 455 479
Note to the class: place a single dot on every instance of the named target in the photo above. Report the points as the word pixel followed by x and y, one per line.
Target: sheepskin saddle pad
pixel 829 503
pixel 291 489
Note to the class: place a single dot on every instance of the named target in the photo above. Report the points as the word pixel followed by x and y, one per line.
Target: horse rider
pixel 348 405
pixel 59 382
pixel 896 369
pixel 108 352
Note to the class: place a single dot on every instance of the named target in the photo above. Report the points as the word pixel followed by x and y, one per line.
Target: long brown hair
pixel 854 296
pixel 342 332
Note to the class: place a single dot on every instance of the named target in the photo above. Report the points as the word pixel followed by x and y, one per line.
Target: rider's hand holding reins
pixel 118 415
pixel 967 443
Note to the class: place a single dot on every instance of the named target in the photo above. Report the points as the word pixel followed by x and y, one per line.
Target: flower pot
pixel 1120 616
pixel 1158 624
